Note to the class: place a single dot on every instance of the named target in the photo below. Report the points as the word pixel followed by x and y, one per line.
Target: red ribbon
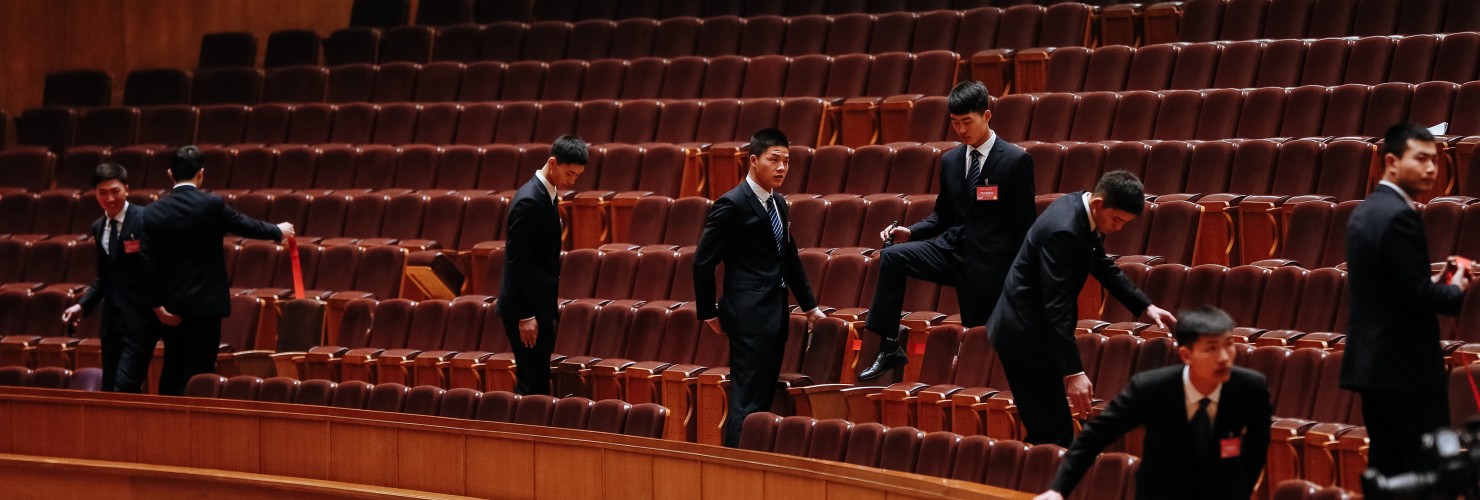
pixel 297 267
pixel 1473 390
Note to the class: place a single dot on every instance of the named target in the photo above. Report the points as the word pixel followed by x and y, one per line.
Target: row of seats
pixel 1260 63
pixel 447 12
pixel 928 73
pixel 1300 489
pixel 1315 233
pixel 87 379
pixel 1005 463
pixel 964 32
pixel 610 415
pixel 628 121
pixel 1207 20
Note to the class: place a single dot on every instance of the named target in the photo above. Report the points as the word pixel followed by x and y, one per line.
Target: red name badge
pixel 1230 447
pixel 130 246
pixel 986 193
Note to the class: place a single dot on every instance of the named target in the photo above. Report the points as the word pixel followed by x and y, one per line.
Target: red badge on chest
pixel 130 246
pixel 986 193
pixel 1230 447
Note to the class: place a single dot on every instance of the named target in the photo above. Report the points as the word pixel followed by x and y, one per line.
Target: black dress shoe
pixel 887 360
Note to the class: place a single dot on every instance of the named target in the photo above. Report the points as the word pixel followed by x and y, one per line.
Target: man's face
pixel 1210 359
pixel 111 194
pixel 1108 220
pixel 1415 171
pixel 972 127
pixel 769 169
pixel 563 175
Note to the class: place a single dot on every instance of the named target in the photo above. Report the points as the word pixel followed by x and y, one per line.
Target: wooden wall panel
pixel 513 461
pixel 41 36
pixel 161 428
pixel 295 448
pixel 430 462
pixel 226 442
pixel 111 434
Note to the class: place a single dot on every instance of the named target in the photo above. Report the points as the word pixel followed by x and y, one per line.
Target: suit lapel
pixel 989 167
pixel 754 201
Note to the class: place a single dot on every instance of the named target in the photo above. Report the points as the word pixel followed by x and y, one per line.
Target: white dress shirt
pixel 1194 397
pixel 550 188
pixel 107 237
pixel 1400 191
pixel 985 148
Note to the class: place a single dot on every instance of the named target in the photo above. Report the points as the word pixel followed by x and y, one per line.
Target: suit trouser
pixel 1038 391
pixel 755 365
pixel 126 356
pixel 1396 423
pixel 928 260
pixel 532 365
pixel 189 350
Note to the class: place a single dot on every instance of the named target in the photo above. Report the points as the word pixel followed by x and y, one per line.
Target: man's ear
pixel 1185 354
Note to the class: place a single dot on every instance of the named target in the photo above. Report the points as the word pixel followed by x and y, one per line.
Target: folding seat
pixel 354 123
pixel 294 84
pixel 1052 116
pixel 1242 20
pixel 1093 116
pixel 28 169
pixel 1325 62
pixel 438 81
pixel 497 406
pixel 865 441
pixel 570 412
pixel 1304 108
pixel 1216 106
pixel 291 48
pixel 482 81
pixel 267 124
pixel 1200 22
pixel 1065 70
pixel 685 221
pixel 241 387
pixel 1083 164
pixel 499 168
pixel 983 36
pixel 1238 64
pixel 204 385
pixel 543 41
pixel 350 83
pixel 1346 107
pixel 1369 61
pixel 604 79
pixel 533 409
pixel 167 125
pixel 1413 59
pixel 227 50
pixel 1279 64
pixel 563 80
pixel 1261 113
pixel 1331 18
pixel 355 45
pixel 523 81
pixel 676 37
pixel 1386 104
pixel 227 86
pixel 1197 64
pixel 395 82
pixel 1178 115
pixel 1151 67
pixel 156 87
pixel 901 449
pixel 50 377
pixel 1375 18
pixel 278 390
pixel 805 35
pixel 892 32
pixel 1167 163
pixel 1341 175
pixel 381 397
pixel 411 44
pixel 1135 116
pixel 761 36
pixel 849 34
pixel 80 88
pixel 1286 19
pixel 396 123
pixel 444 12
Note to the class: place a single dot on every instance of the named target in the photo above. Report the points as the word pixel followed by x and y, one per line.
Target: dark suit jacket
pixel 182 244
pixel 1040 299
pixel 1392 339
pixel 991 230
pixel 531 282
pixel 738 233
pixel 1169 467
pixel 121 278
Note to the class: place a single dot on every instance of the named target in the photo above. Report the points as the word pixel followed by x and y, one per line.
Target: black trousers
pixel 532 365
pixel 1396 423
pixel 126 356
pixel 189 350
pixel 755 365
pixel 1038 391
pixel 927 260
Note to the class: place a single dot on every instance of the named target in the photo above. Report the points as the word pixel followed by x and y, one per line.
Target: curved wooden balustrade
pixel 435 455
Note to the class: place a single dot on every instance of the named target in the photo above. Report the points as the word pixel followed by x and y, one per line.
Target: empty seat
pixel 385 397
pixel 291 48
pixel 379 13
pixel 444 12
pixel 204 385
pixel 227 50
pixel 227 86
pixel 241 387
pixel 83 87
pixel 279 390
pixel 156 87
pixel 356 45
pixel 406 44
pixel 424 400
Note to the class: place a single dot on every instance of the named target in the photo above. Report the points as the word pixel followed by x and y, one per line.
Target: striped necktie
pixel 975 174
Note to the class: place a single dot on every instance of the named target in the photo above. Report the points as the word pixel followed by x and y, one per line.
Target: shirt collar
pixel 1193 397
pixel 185 183
pixel 760 192
pixel 549 188
pixel 1086 198
pixel 121 214
pixel 986 146
pixel 1400 191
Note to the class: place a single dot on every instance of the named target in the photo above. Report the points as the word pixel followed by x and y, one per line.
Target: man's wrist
pixel 1072 375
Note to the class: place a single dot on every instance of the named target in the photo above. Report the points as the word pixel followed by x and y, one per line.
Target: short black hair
pixel 767 138
pixel 568 150
pixel 186 163
pixel 1122 190
pixel 967 97
pixel 1195 323
pixel 1395 141
pixel 105 172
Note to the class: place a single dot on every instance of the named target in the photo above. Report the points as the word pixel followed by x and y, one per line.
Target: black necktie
pixel 1202 431
pixel 113 243
pixel 975 173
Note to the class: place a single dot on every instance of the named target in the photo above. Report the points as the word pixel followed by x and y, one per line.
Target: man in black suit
pixel 749 231
pixel 1207 421
pixel 1032 327
pixel 982 214
pixel 188 289
pixel 528 298
pixel 1393 356
pixel 129 328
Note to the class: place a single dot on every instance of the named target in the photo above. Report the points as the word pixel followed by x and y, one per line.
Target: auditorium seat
pixel 383 397
pixel 278 390
pixel 291 48
pixel 156 87
pixel 49 127
pixel 50 377
pixel 444 12
pixel 533 409
pixel 424 400
pixel 227 85
pixel 353 45
pixel 241 387
pixel 227 50
pixel 204 385
pixel 294 84
pixel 379 13
pixel 80 88
pixel 646 420
pixel 30 170
pixel 758 433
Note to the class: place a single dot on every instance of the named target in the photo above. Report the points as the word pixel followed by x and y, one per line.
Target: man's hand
pixel 1161 317
pixel 901 234
pixel 814 315
pixel 166 317
pixel 529 332
pixel 72 315
pixel 1081 392
pixel 1462 280
pixel 714 325
pixel 1049 495
pixel 286 228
